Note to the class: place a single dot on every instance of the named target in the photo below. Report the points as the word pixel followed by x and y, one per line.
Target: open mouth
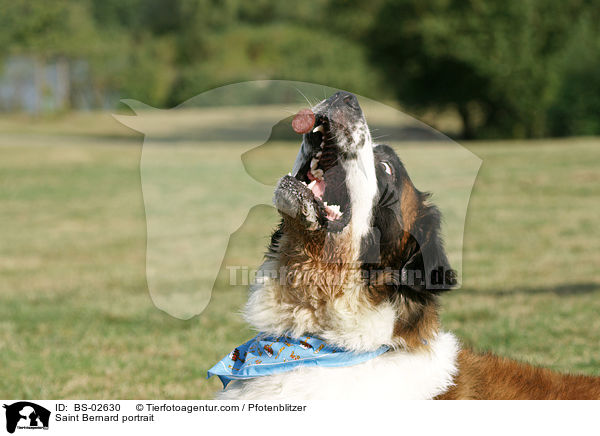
pixel 323 175
pixel 332 163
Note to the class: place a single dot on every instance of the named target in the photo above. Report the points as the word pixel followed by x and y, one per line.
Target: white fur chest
pixel 395 375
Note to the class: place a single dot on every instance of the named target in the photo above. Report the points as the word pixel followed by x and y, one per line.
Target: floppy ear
pixel 428 269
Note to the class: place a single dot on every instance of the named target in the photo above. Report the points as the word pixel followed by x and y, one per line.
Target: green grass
pixel 77 321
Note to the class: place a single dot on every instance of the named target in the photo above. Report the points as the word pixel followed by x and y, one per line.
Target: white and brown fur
pixel 355 283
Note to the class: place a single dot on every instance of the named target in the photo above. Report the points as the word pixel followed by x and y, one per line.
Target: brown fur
pixel 418 324
pixel 410 204
pixel 479 376
pixel 321 268
pixel 488 377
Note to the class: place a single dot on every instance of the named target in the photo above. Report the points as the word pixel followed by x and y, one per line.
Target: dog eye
pixel 387 168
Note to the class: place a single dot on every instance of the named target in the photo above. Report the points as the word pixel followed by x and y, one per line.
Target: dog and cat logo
pixel 26 415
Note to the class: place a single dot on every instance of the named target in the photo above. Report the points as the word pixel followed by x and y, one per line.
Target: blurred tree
pixel 137 57
pixel 354 19
pixel 225 42
pixel 56 30
pixel 278 51
pixel 127 66
pixel 511 68
pixel 576 108
pixel 495 61
pixel 198 21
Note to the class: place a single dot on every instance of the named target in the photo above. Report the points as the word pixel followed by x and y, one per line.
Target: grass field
pixel 77 321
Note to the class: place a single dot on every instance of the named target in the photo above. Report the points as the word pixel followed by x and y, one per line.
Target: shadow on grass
pixel 560 290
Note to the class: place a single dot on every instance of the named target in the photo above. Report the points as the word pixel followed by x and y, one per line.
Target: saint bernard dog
pixel 360 264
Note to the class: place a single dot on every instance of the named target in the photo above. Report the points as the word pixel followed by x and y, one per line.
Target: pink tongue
pixel 319 187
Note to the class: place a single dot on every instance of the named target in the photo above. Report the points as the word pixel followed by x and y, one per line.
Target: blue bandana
pixel 266 355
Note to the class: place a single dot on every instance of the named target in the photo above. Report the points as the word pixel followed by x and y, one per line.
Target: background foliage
pixel 515 68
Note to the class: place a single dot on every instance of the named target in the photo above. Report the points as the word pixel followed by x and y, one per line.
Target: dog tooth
pixel 313 164
pixel 335 208
pixel 311 184
pixel 318 173
pixel 318 129
pixel 322 144
pixel 319 154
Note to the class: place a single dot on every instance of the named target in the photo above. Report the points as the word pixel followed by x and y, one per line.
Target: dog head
pixel 358 256
pixel 405 233
pixel 333 183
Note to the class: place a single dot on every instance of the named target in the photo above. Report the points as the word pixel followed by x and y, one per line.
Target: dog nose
pixel 350 100
pixel 344 99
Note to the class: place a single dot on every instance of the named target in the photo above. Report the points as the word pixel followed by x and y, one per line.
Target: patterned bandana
pixel 266 355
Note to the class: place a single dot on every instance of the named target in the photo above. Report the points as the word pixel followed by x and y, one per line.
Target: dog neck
pixel 333 302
